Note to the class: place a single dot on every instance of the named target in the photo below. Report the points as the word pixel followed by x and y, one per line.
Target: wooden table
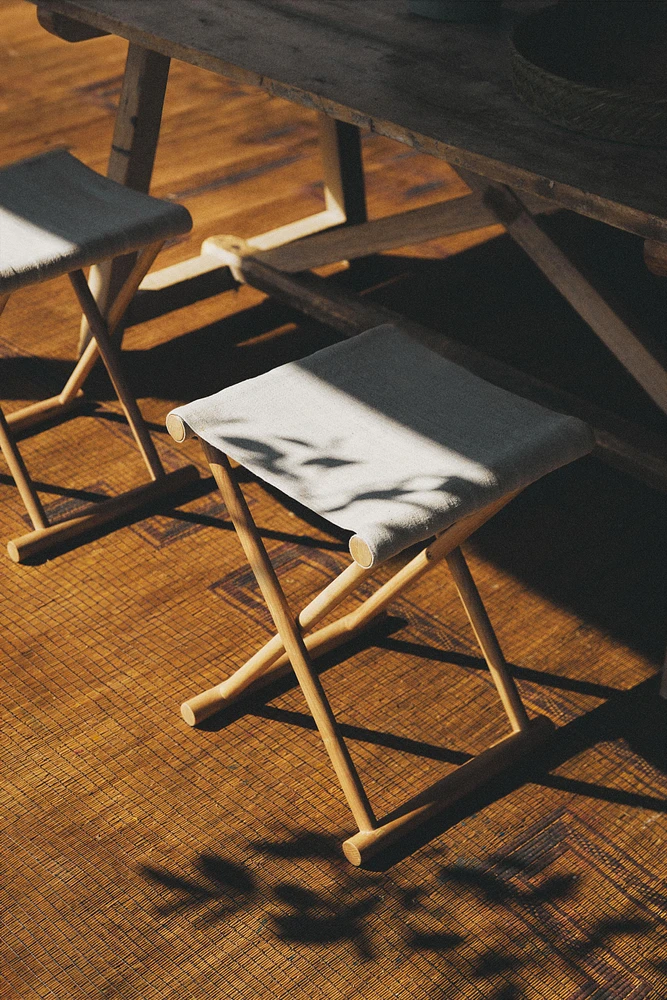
pixel 441 88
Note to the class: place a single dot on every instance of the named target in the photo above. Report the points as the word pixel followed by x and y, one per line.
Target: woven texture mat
pixel 147 860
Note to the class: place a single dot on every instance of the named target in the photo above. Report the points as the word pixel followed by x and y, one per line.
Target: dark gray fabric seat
pixel 57 215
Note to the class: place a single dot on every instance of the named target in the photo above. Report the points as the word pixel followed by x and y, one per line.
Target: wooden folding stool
pixel 57 217
pixel 385 438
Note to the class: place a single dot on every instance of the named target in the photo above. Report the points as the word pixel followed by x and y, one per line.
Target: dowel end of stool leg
pixel 352 853
pixel 41 540
pixel 203 705
pixel 361 553
pixel 177 428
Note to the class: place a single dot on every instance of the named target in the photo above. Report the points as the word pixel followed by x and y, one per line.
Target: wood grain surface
pixel 442 88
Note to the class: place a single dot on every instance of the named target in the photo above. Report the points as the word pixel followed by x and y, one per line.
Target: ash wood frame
pixel 615 441
pixel 46 535
pixel 292 649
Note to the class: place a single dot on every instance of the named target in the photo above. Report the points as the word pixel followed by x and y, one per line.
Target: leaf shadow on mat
pixel 499 917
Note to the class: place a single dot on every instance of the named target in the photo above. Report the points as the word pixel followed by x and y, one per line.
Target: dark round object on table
pixel 596 67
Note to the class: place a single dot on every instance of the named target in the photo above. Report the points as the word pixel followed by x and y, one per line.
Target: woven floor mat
pixel 145 859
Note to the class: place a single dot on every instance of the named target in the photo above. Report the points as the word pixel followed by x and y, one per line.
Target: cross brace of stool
pixel 45 535
pixel 293 649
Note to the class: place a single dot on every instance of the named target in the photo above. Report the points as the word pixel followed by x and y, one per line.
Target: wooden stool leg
pixel 203 705
pixel 115 314
pixel 14 460
pixel 72 396
pixel 352 624
pixel 111 357
pixel 21 477
pixel 487 640
pixel 46 536
pixel 287 629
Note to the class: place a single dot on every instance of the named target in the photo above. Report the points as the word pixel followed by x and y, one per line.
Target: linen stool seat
pixel 391 441
pixel 383 437
pixel 56 217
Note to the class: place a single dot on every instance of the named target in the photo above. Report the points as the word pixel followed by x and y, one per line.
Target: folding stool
pixel 385 438
pixel 56 217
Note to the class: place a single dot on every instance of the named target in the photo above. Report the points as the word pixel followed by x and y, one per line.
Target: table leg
pixel 345 205
pixel 642 359
pixel 132 156
pixel 639 354
pixel 344 188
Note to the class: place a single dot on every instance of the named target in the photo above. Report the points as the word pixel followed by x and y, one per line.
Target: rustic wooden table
pixel 444 89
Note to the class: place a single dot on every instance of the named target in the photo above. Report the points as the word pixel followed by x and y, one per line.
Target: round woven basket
pixel 598 68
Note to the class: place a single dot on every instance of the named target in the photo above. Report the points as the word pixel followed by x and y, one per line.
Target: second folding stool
pixel 57 217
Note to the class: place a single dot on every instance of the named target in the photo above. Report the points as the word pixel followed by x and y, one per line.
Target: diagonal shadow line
pixel 118 418
pixel 520 673
pixel 244 476
pixel 86 408
pixel 310 517
pixel 603 792
pixel 61 491
pixel 376 737
pixel 208 521
pixel 203 487
pixel 599 724
pixel 199 489
pixel 627 714
pixel 602 723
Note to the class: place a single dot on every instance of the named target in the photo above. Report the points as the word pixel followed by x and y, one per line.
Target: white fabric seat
pixel 57 215
pixel 383 437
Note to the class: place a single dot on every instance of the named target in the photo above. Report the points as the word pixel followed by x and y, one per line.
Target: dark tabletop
pixel 443 88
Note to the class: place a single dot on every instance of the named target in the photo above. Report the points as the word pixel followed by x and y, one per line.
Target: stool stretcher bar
pixel 42 411
pixel 462 781
pixel 95 515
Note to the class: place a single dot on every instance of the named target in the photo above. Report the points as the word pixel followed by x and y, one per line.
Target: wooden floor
pixel 143 859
